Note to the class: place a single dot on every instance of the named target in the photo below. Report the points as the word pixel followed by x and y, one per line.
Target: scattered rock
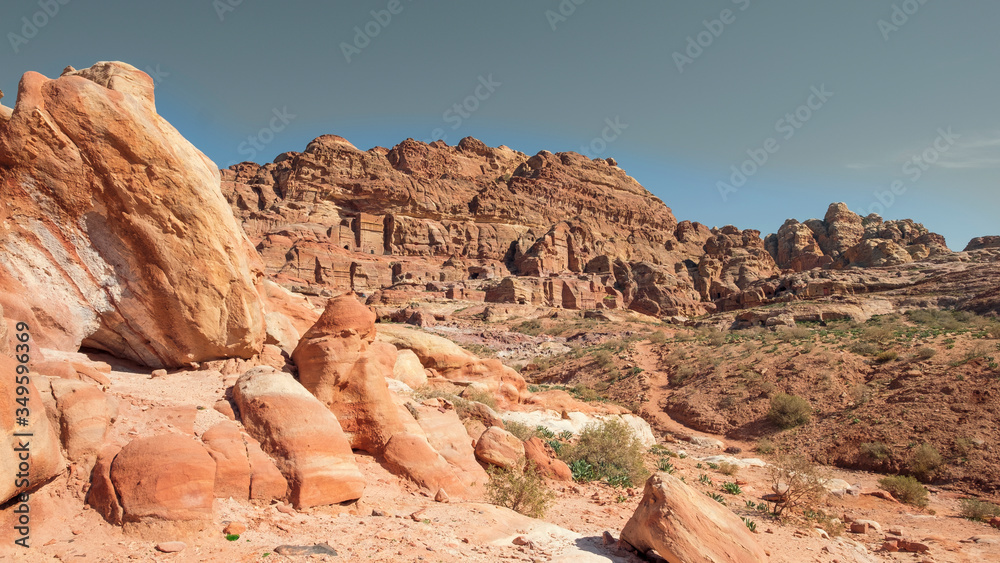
pixel 299 550
pixel 441 496
pixel 235 528
pixel 171 546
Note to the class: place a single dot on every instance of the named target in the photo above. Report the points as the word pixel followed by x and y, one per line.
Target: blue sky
pixel 716 100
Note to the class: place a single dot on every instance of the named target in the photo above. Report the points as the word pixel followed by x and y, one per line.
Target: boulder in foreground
pixel 685 526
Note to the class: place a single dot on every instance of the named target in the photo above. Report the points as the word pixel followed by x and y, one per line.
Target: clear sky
pixel 836 101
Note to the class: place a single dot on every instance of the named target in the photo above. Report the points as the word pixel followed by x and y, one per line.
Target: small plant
pixel 799 479
pixel 751 525
pixel 751 505
pixel 582 471
pixel 925 463
pixel 876 451
pixel 765 446
pixel 925 353
pixel 621 498
pixel 521 430
pixel 886 356
pixel 717 498
pixel 712 465
pixel 704 479
pixel 665 466
pixel 905 489
pixel 566 435
pixel 728 469
pixel 544 432
pixel 232 537
pixel 521 490
pixel 732 488
pixel 698 465
pixel 974 509
pixel 789 411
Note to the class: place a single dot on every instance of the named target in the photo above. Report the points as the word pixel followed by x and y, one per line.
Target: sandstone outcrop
pixel 301 434
pixel 843 239
pixel 46 460
pixel 683 525
pixel 85 416
pixel 115 233
pixel 545 462
pixel 500 448
pixel 164 485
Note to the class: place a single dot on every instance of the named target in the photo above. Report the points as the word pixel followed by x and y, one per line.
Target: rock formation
pixel 301 434
pixel 114 233
pixel 682 525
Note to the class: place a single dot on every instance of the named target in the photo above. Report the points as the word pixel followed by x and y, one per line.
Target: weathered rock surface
pixel 164 485
pixel 546 463
pixel 301 434
pixel 115 233
pixel 85 415
pixel 46 460
pixel 843 239
pixel 684 525
pixel 500 448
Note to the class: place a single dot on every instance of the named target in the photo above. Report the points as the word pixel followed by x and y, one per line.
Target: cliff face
pixel 480 223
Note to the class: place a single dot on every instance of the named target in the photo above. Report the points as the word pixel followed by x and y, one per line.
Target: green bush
pixel 925 463
pixel 611 450
pixel 925 353
pixel 789 411
pixel 521 490
pixel 765 446
pixel 522 431
pixel 905 489
pixel 876 451
pixel 974 509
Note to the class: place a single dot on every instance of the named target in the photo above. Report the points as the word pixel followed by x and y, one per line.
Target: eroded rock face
pixel 843 239
pixel 43 446
pixel 164 485
pixel 301 434
pixel 684 525
pixel 115 234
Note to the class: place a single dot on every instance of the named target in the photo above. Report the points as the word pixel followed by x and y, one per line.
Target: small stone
pixel 520 540
pixel 418 515
pixel 607 538
pixel 283 527
pixel 859 528
pixel 159 373
pixel 378 512
pixel 441 496
pixel 171 546
pixel 285 509
pixel 318 549
pixel 235 528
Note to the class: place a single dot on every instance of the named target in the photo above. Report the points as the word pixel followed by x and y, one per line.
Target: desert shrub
pixel 729 469
pixel 800 480
pixel 865 348
pixel 925 463
pixel 658 337
pixel 521 430
pixel 521 490
pixel 925 353
pixel 481 396
pixel 886 356
pixel 878 335
pixel 584 393
pixel 612 450
pixel 974 509
pixel 765 446
pixel 683 372
pixel 876 451
pixel 905 489
pixel 603 359
pixel 789 411
pixel 791 334
pixel 531 327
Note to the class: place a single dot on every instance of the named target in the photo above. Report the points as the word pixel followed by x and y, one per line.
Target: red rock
pixel 165 485
pixel 499 447
pixel 411 456
pixel 236 528
pixel 266 481
pixel 682 524
pixel 101 495
pixel 224 442
pixel 890 545
pixel 112 203
pixel 859 528
pixel 225 407
pixel 912 546
pixel 171 547
pixel 85 415
pixel 301 434
pixel 549 466
pixel 46 458
pixel 995 522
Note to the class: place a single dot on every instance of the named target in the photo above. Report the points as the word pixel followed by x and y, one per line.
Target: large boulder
pixel 46 460
pixel 301 434
pixel 683 525
pixel 115 233
pixel 85 416
pixel 545 462
pixel 500 448
pixel 242 470
pixel 341 365
pixel 164 485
